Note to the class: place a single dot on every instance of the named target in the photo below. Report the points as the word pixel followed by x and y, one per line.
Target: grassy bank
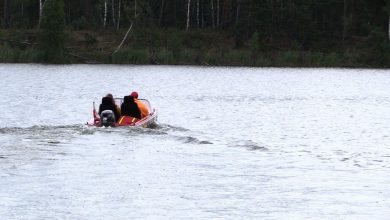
pixel 175 47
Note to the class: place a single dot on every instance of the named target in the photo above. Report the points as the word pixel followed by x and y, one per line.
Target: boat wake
pixel 249 145
pixel 70 130
pixel 43 129
pixel 193 140
pixel 54 135
pixel 181 134
pixel 167 127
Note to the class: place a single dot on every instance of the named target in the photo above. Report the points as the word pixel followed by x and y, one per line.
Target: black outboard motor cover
pixel 107 118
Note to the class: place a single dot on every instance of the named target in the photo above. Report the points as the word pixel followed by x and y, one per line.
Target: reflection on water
pixel 231 143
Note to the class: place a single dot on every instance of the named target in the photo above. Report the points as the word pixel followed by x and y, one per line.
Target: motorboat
pixel 107 118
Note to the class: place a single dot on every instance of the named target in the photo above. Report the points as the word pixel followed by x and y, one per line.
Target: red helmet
pixel 134 94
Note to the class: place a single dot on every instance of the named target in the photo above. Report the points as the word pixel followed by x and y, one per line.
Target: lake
pixel 231 143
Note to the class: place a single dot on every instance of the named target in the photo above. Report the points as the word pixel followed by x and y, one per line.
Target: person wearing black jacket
pixel 107 104
pixel 130 108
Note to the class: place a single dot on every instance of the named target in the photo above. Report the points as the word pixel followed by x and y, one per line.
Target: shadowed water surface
pixel 231 143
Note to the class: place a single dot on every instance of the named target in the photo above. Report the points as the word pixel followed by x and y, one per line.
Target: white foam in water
pixel 232 143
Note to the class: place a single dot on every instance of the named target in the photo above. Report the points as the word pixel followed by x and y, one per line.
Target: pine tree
pixel 52 36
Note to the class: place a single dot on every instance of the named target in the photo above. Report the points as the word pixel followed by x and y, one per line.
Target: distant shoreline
pixel 199 66
pixel 175 47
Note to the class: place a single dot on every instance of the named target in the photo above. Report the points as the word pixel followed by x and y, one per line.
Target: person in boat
pixel 144 110
pixel 108 104
pixel 109 95
pixel 130 108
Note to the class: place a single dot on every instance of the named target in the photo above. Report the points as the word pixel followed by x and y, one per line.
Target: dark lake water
pixel 231 143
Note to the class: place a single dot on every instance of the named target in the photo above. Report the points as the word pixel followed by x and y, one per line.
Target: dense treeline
pixel 266 25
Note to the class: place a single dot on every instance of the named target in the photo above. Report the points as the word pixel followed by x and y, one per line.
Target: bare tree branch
pixel 123 40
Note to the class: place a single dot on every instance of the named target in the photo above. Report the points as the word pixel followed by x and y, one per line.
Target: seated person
pixel 144 110
pixel 109 95
pixel 130 108
pixel 107 104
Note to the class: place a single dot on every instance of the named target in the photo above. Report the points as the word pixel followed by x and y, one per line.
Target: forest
pixel 334 33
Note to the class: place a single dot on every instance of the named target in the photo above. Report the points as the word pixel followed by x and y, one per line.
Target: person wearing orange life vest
pixel 142 107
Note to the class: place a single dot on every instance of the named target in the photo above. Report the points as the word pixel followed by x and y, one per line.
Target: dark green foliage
pixel 133 56
pixel 52 36
pixel 175 43
pixel 9 54
pixel 254 45
pixel 80 23
pixel 90 40
pixel 165 56
pixel 378 49
pixel 242 32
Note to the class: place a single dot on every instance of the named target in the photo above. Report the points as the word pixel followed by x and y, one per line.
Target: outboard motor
pixel 107 118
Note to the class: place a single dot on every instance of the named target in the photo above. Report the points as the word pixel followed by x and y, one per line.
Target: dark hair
pixel 130 108
pixel 108 105
pixel 109 95
pixel 128 99
pixel 106 101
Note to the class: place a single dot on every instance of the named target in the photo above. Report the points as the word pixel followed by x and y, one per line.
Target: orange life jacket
pixel 142 107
